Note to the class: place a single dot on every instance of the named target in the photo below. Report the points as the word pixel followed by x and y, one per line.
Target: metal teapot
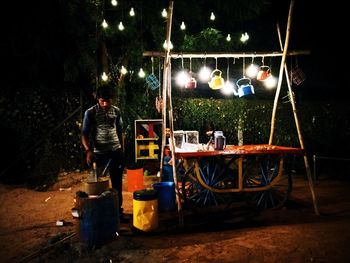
pixel 263 73
pixel 217 82
pixel 192 84
pixel 245 87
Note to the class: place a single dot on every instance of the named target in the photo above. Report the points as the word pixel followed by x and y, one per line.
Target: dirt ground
pixel 28 230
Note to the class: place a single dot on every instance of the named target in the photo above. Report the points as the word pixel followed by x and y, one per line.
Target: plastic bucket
pixel 145 209
pixel 99 219
pixel 135 179
pixel 166 196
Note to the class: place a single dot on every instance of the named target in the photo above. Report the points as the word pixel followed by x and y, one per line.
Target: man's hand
pixel 89 157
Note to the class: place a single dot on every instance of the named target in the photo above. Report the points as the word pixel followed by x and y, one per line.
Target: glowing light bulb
pixel 212 16
pixel 104 76
pixel 104 23
pixel 132 12
pixel 228 38
pixel 244 37
pixel 141 73
pixel 114 2
pixel 123 70
pixel 121 26
pixel 183 26
pixel 164 13
pixel 204 74
pixel 182 78
pixel 170 45
pixel 228 89
pixel 270 82
pixel 252 70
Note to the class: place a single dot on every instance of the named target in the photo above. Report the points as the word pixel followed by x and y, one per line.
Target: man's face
pixel 105 104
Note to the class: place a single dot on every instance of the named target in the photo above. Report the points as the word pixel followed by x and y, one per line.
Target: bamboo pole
pixel 226 55
pixel 166 98
pixel 296 119
pixel 280 76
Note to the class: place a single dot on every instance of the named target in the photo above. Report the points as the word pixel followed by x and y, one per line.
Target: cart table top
pixel 241 150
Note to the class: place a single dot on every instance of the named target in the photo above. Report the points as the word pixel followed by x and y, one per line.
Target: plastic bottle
pixel 92 177
pixel 94 172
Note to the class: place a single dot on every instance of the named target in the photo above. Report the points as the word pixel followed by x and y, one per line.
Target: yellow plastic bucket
pixel 145 210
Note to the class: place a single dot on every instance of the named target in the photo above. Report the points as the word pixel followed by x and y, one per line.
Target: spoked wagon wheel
pixel 214 172
pixel 265 172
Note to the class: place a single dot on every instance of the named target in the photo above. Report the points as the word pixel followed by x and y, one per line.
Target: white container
pixel 179 138
pixel 192 137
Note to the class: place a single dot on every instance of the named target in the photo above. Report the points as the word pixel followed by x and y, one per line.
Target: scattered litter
pixel 47 199
pixel 65 189
pixel 75 213
pixel 60 223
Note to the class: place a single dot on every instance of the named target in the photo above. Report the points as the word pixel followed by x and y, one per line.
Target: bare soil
pixel 28 230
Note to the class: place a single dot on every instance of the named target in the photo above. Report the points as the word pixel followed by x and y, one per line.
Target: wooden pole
pixel 280 76
pixel 167 100
pixel 296 119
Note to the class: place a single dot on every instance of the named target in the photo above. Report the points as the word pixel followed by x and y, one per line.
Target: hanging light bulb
pixel 183 26
pixel 104 23
pixel 132 12
pixel 170 45
pixel 252 70
pixel 114 2
pixel 212 16
pixel 204 74
pixel 141 73
pixel 164 13
pixel 228 38
pixel 123 70
pixel 229 88
pixel 270 82
pixel 182 78
pixel 121 26
pixel 104 76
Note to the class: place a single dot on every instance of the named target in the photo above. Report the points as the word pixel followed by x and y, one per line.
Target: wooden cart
pixel 259 174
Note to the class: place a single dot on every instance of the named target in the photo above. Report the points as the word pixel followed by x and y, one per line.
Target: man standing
pixel 102 138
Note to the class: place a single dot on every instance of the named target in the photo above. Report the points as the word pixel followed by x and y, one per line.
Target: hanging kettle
pixel 263 73
pixel 217 82
pixel 192 83
pixel 245 87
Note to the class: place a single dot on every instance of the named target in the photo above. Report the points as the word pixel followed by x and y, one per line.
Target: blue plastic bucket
pixel 99 219
pixel 166 196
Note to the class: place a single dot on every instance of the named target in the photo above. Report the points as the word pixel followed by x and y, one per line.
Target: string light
pixel 104 76
pixel 170 45
pixel 141 73
pixel 244 37
pixel 114 2
pixel 212 16
pixel 228 38
pixel 104 23
pixel 164 13
pixel 132 12
pixel 121 26
pixel 183 26
pixel 123 70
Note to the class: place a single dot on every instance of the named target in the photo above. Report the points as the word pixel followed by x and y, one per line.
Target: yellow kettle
pixel 217 82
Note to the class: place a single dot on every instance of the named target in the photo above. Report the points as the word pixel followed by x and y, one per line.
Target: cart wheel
pixel 215 173
pixel 261 171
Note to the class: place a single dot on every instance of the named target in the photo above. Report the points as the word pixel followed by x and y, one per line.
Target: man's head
pixel 105 96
